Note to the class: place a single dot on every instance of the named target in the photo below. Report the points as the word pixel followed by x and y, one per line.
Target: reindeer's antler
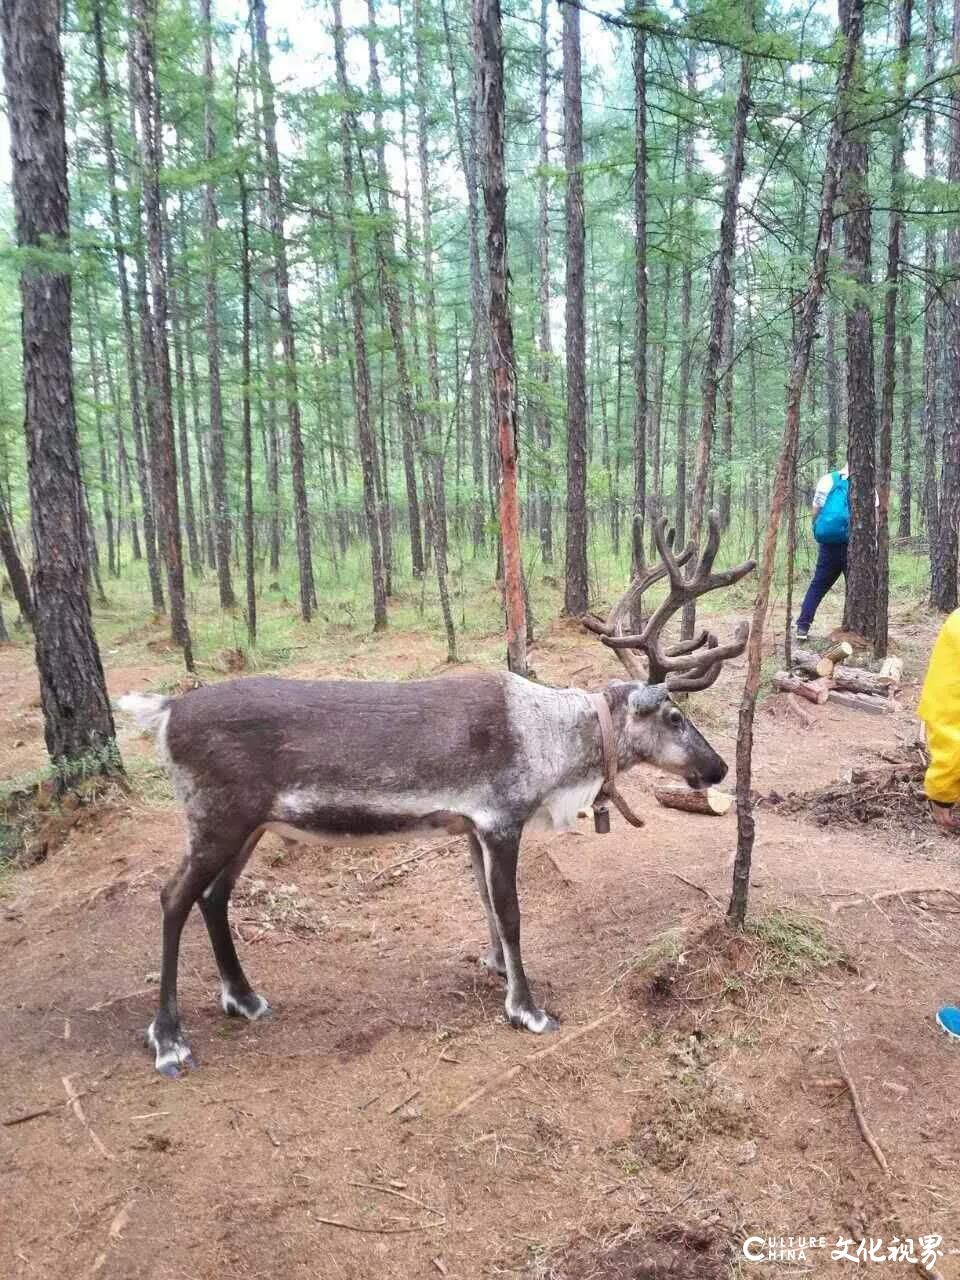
pixel 692 664
pixel 621 612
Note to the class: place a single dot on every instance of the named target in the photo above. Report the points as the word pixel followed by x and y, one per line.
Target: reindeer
pixel 487 756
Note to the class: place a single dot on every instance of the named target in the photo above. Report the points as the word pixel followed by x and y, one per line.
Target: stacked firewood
pixel 826 677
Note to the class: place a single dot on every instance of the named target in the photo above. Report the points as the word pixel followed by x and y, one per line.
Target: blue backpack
pixel 832 524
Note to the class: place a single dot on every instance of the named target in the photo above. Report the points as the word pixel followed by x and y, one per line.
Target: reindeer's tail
pixel 148 709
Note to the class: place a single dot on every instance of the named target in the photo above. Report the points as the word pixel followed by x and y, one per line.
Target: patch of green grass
pixel 149 780
pixel 796 946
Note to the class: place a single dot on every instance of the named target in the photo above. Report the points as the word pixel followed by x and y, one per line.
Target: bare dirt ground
pixel 690 1101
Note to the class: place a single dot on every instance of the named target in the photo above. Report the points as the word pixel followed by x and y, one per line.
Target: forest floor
pixel 345 1136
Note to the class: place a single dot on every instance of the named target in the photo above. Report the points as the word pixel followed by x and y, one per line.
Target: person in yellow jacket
pixel 939 709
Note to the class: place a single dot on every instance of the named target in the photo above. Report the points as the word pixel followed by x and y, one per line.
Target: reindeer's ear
pixel 647 699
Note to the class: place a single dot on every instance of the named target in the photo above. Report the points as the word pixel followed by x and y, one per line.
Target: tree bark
pixel 246 373
pixel 905 523
pixel 78 723
pixel 545 341
pixel 488 36
pixel 364 432
pixel 179 306
pixel 640 288
pixel 407 427
pixel 576 594
pixel 126 314
pixel 19 579
pixel 686 303
pixel 165 478
pixel 308 594
pixel 890 301
pixel 806 328
pixel 218 457
pixel 931 336
pixel 95 386
pixel 833 388
pixel 412 425
pixel 720 304
pixel 944 585
pixel 860 614
pixel 709 801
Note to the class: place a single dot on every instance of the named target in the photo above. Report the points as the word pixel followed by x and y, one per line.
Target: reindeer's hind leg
pixel 236 994
pixel 165 1034
pixel 493 960
pixel 500 851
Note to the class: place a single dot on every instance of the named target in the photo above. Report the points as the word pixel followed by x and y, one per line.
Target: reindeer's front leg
pixel 500 850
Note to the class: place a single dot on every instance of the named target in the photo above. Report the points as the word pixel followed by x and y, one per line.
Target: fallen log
pixel 813 690
pixel 709 800
pixel 847 679
pixel 869 702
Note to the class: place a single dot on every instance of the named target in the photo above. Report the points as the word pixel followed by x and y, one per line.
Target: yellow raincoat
pixel 939 709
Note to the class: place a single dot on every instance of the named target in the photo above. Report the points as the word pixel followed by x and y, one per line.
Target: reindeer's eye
pixel 674 718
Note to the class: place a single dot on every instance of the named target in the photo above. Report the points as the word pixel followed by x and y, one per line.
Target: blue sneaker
pixel 948 1019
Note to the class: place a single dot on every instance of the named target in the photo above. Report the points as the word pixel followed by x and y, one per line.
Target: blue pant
pixel 831 562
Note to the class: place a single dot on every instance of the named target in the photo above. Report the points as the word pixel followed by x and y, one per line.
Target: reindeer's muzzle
pixel 708 772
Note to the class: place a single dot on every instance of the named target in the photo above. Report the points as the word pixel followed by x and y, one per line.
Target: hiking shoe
pixel 802 634
pixel 948 1020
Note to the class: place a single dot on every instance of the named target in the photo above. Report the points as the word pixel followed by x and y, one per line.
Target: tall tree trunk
pixel 165 478
pixel 833 387
pixel 798 370
pixel 931 337
pixel 285 315
pixel 892 284
pixel 78 723
pixel 720 304
pixel 246 375
pixel 126 314
pixel 95 386
pixel 944 587
pixel 179 305
pixel 726 440
pixel 432 420
pixel 640 279
pixel 362 395
pixel 19 581
pixel 407 426
pixel 686 303
pixel 467 149
pixel 861 607
pixel 218 456
pixel 488 37
pixel 412 425
pixel 905 523
pixel 576 594
pixel 545 343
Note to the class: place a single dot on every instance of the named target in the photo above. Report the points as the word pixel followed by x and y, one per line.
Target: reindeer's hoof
pixel 173 1054
pixel 248 1005
pixel 536 1020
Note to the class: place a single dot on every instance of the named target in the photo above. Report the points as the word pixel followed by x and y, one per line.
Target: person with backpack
pixel 831 528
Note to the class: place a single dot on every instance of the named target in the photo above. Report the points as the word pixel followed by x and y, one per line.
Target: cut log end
pixel 709 800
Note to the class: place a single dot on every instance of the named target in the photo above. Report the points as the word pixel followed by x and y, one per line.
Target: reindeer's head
pixel 655 730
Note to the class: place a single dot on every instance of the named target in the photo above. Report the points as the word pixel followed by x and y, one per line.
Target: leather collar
pixel 609 761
